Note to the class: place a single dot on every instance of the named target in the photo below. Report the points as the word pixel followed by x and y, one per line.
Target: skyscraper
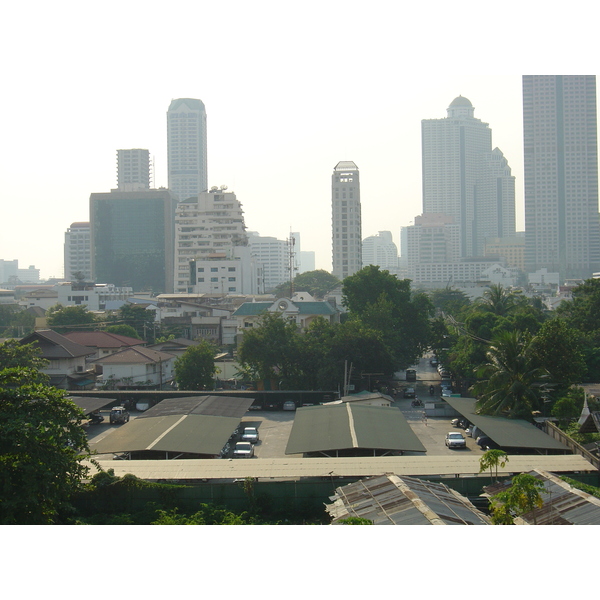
pixel 346 220
pixel 465 179
pixel 380 250
pixel 133 170
pixel 186 147
pixel 132 239
pixel 562 231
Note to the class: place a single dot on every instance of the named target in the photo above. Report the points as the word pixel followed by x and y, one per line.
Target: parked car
pixel 409 393
pixel 243 450
pixel 250 434
pixel 411 375
pixel 454 439
pixel 118 414
pixel 289 405
pixel 485 443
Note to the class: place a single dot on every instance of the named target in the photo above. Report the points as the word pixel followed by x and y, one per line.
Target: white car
pixel 250 434
pixel 455 439
pixel 243 450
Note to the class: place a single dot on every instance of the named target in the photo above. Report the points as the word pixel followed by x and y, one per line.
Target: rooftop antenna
pixel 292 267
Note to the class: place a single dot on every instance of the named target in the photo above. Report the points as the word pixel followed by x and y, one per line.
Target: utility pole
pixel 291 266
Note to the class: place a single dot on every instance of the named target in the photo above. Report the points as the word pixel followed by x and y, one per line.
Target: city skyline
pixel 278 121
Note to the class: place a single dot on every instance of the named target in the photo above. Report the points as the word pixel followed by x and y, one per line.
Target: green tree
pixel 558 349
pixel 512 383
pixel 126 330
pixel 317 283
pixel 70 318
pixel 13 354
pixel 42 444
pixel 195 368
pixel 499 300
pixel 140 318
pixel 449 301
pixel 492 459
pixel 270 349
pixel 522 497
pixel 385 303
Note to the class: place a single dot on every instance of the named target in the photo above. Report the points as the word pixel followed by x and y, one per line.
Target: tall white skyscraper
pixel 465 179
pixel 186 147
pixel 346 220
pixel 562 231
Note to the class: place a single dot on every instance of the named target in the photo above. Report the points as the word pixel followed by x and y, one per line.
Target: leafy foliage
pixel 42 444
pixel 317 283
pixel 523 496
pixel 195 368
pixel 512 383
pixel 386 304
pixel 492 459
pixel 68 318
pixel 126 330
pixel 14 354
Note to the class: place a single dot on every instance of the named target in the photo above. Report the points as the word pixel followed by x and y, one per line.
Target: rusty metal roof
pixel 391 500
pixel 563 504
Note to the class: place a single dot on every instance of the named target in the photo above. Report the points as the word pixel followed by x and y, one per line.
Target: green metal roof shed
pixel 507 433
pixel 335 427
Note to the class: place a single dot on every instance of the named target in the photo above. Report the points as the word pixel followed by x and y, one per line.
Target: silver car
pixel 455 439
pixel 243 450
pixel 250 434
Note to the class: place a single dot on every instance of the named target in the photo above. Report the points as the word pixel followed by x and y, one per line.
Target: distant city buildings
pixel 133 170
pixel 132 239
pixel 463 177
pixel 346 220
pixel 11 274
pixel 78 251
pixel 381 250
pixel 187 147
pixel 562 229
pixel 274 257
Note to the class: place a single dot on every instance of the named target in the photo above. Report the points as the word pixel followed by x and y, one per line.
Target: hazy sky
pixel 290 90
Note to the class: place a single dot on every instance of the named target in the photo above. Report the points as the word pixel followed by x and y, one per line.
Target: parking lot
pixel 274 427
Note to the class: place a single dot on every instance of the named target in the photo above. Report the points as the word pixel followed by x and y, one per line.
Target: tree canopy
pixel 317 283
pixel 42 444
pixel 386 304
pixel 63 319
pixel 195 368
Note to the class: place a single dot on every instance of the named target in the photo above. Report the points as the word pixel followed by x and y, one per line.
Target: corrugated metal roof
pixel 221 406
pixel 303 308
pixel 54 345
pixel 507 433
pixel 134 355
pixel 342 426
pixel 390 500
pixel 102 339
pixel 89 404
pixel 294 467
pixel 563 504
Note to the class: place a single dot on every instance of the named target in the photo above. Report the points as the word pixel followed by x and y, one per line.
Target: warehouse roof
pixel 333 427
pixel 507 433
pixel 391 500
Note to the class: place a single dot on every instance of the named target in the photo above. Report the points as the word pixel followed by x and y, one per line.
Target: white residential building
pixel 78 251
pixel 186 147
pixel 210 223
pixel 346 221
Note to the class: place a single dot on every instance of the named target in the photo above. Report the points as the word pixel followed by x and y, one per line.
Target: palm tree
pixel 491 459
pixel 513 384
pixel 499 300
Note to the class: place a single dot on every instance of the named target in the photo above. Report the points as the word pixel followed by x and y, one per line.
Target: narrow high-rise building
pixel 133 170
pixel 381 250
pixel 186 147
pixel 465 179
pixel 562 230
pixel 346 220
pixel 78 254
